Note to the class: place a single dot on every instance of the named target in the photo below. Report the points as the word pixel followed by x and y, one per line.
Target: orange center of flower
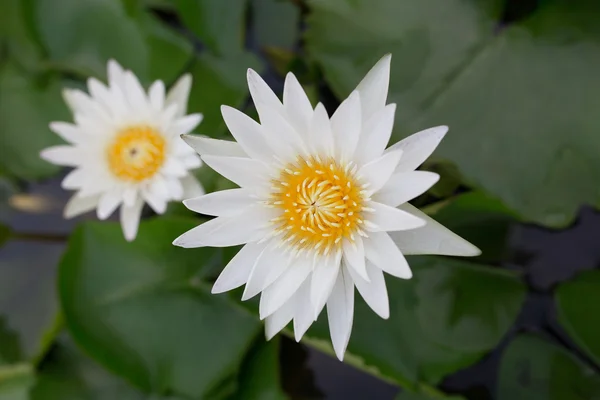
pixel 321 202
pixel 137 153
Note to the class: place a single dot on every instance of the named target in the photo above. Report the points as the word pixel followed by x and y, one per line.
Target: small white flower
pixel 126 147
pixel 322 204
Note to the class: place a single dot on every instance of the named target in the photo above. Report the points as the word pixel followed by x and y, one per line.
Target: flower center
pixel 321 202
pixel 137 153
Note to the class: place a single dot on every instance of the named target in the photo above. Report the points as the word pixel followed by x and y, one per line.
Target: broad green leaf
pixel 16 381
pixel 520 101
pixel 481 219
pixel 82 35
pixel 140 310
pixel 26 108
pixel 576 302
pixel 217 81
pixel 169 53
pixel 218 24
pixel 28 303
pixel 16 41
pixel 259 378
pixel 445 318
pixel 67 374
pixel 276 23
pixel 10 346
pixel 535 369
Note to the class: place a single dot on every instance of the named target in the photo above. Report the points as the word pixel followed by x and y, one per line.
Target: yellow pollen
pixel 323 201
pixel 137 153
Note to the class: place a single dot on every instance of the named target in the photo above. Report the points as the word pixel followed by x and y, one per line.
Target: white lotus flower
pixel 126 147
pixel 322 205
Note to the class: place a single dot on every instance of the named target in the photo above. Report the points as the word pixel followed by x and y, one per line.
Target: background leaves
pixel 518 99
pixel 516 82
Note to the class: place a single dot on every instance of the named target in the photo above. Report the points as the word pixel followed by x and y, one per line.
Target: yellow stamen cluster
pixel 137 153
pixel 322 203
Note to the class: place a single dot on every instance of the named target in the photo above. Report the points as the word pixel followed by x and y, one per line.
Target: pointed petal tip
pixel 270 335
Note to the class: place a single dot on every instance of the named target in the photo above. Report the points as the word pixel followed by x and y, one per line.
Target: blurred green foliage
pixel 521 98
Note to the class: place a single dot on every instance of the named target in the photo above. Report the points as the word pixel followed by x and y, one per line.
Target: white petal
pixel 130 219
pixel 191 161
pixel 175 189
pixel 346 126
pixel 354 255
pixel 373 291
pixel 204 145
pixel 136 97
pixel 108 203
pixel 248 226
pixel 296 104
pixel 280 318
pixel 280 135
pixel 237 271
pixel 79 205
pixel 173 167
pixel 115 73
pixel 69 132
pixel 418 147
pixel 323 278
pixel 179 94
pixel 433 238
pixel 166 119
pixel 75 179
pixel 129 195
pixel 159 188
pixel 247 132
pixel 191 187
pixel 373 88
pixel 386 218
pixel 223 203
pixel 320 136
pixel 376 133
pixel 285 287
pixel 340 313
pixel 185 125
pixel 245 172
pixel 112 98
pixel 75 100
pixel 267 269
pixel 156 202
pixel 156 94
pixel 63 155
pixel 262 95
pixel 405 186
pixel 303 316
pixel 100 104
pixel 379 171
pixel 381 250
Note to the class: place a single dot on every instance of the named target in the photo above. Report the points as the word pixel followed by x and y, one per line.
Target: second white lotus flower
pixel 322 204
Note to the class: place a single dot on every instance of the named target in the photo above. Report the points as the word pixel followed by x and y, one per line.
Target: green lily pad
pixel 82 35
pixel 218 24
pixel 576 302
pixel 26 108
pixel 521 100
pixel 16 381
pixel 445 318
pixel 141 311
pixel 217 81
pixel 535 369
